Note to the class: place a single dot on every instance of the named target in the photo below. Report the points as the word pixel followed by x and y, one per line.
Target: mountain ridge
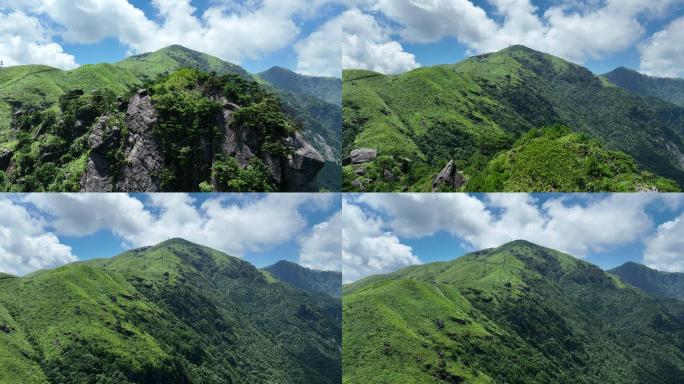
pixel 518 313
pixel 473 110
pixel 173 312
pixel 327 282
pixel 658 283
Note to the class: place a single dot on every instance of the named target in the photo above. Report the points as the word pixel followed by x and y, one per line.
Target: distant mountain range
pixel 662 284
pixel 519 313
pixel 57 127
pixel 176 312
pixel 470 120
pixel 327 282
pixel 666 89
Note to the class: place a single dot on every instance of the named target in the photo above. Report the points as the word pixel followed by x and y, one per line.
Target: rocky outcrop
pixel 449 177
pixel 296 173
pixel 302 166
pixel 5 159
pixel 363 155
pixel 101 141
pixel 143 160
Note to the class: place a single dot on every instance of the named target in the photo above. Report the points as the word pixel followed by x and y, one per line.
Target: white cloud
pixel 320 53
pixel 665 249
pixel 366 45
pixel 25 246
pixel 663 53
pixel 252 224
pixel 575 226
pixel 24 40
pixel 367 249
pixel 321 247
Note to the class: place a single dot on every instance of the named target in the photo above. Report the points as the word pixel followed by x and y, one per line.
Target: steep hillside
pixel 557 159
pixel 472 111
pixel 327 282
pixel 173 313
pixel 663 284
pixel 54 128
pixel 328 89
pixel 519 313
pixel 666 89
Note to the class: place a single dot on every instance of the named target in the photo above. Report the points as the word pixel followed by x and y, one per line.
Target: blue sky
pixel 393 231
pixel 47 230
pixel 602 34
pixel 255 34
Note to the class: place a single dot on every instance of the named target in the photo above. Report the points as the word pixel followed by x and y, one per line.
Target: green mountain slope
pixel 667 89
pixel 328 89
pixel 472 111
pixel 327 282
pixel 519 313
pixel 47 117
pixel 663 284
pixel 173 313
pixel 557 159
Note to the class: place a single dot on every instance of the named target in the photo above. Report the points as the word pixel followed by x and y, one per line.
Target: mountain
pixel 316 102
pixel 176 312
pixel 51 124
pixel 519 313
pixel 471 112
pixel 667 89
pixel 326 282
pixel 328 89
pixel 663 284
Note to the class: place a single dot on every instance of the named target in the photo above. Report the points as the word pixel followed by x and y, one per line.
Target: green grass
pixel 519 313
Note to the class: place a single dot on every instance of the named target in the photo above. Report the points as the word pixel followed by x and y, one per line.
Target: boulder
pixel 5 159
pixel 363 155
pixel 449 177
pixel 302 166
pixel 101 141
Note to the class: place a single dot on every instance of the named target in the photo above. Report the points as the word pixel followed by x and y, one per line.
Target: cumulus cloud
pixel 233 226
pixel 25 245
pixel 575 226
pixel 366 45
pixel 663 53
pixel 321 247
pixel 24 40
pixel 367 248
pixel 320 52
pixel 665 249
pixel 576 31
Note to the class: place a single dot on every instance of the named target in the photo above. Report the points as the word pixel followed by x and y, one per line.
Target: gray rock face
pixel 144 161
pixel 363 155
pixel 302 167
pixel 96 177
pixel 141 151
pixel 448 177
pixel 238 142
pixel 5 159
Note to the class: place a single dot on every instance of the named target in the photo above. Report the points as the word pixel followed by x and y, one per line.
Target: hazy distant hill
pixel 667 89
pixel 663 284
pixel 173 313
pixel 327 282
pixel 519 313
